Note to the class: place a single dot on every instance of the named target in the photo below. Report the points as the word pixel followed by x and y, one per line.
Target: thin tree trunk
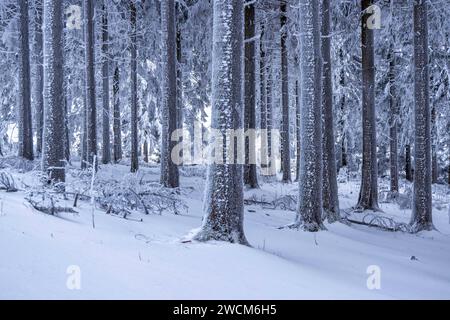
pixel 25 121
pixel 133 98
pixel 53 145
pixel 393 121
pixel 179 81
pixel 145 151
pixel 285 139
pixel 224 204
pixel 271 162
pixel 90 82
pixel 39 76
pixel 169 170
pixel 250 175
pixel 422 209
pixel 408 163
pixel 297 128
pixel 434 138
pixel 106 150
pixel 368 196
pixel 342 123
pixel 263 101
pixel 330 188
pixel 117 126
pixel 309 213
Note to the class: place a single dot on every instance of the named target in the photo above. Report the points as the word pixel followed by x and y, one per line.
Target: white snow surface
pixel 125 259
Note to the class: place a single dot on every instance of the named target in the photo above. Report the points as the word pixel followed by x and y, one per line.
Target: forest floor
pixel 129 259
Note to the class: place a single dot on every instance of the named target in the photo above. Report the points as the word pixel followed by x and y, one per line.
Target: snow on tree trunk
pixel 285 139
pixel 90 81
pixel 309 212
pixel 434 158
pixel 263 100
pixel 298 133
pixel 179 46
pixel 368 196
pixel 53 143
pixel 269 117
pixel 133 91
pixel 117 126
pixel 250 175
pixel 38 83
pixel 330 188
pixel 106 151
pixel 422 209
pixel 393 122
pixel 169 170
pixel 24 82
pixel 224 205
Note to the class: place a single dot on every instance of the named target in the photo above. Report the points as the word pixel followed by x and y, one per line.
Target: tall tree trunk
pixel 297 128
pixel 106 151
pixel 39 76
pixel 66 130
pixel 422 209
pixel 169 170
pixel 250 175
pixel 90 82
pixel 342 123
pixel 263 101
pixel 368 196
pixel 25 121
pixel 84 147
pixel 330 187
pixel 224 205
pixel 271 162
pixel 179 45
pixel 393 122
pixel 145 151
pixel 285 138
pixel 53 145
pixel 117 126
pixel 434 138
pixel 309 214
pixel 133 98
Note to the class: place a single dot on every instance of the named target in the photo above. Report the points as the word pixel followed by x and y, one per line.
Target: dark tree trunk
pixel 90 82
pixel 66 132
pixel 250 176
pixel 117 126
pixel 285 139
pixel 263 102
pixel 434 138
pixel 297 128
pixel 25 121
pixel 422 209
pixel 224 204
pixel 271 162
pixel 53 144
pixel 145 151
pixel 309 213
pixel 393 123
pixel 169 170
pixel 180 116
pixel 408 163
pixel 343 145
pixel 330 188
pixel 106 150
pixel 39 77
pixel 368 196
pixel 133 98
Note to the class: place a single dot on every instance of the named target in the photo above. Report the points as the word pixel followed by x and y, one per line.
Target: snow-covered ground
pixel 41 255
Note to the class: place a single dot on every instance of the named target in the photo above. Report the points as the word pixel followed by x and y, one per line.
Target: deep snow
pixel 125 259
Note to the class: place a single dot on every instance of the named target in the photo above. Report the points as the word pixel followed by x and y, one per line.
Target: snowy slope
pixel 148 260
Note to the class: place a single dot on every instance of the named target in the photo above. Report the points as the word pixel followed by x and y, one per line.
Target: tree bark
pixel 368 196
pixel 393 122
pixel 91 107
pixel 106 150
pixel 422 209
pixel 133 98
pixel 263 101
pixel 117 126
pixel 169 170
pixel 224 205
pixel 250 175
pixel 330 187
pixel 298 133
pixel 285 138
pixel 39 77
pixel 25 121
pixel 53 144
pixel 309 214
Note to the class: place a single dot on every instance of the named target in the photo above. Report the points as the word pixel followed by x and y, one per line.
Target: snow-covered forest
pixel 224 149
